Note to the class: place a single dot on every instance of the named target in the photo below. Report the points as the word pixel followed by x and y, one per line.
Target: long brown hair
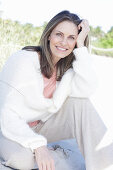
pixel 46 63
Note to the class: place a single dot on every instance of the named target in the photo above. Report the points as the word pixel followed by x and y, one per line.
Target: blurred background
pixel 22 22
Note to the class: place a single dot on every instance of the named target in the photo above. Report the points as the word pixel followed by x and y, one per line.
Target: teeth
pixel 63 49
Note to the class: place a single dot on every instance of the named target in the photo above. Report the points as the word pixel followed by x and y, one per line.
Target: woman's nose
pixel 64 41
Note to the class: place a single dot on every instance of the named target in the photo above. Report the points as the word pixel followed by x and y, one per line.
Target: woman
pixel 44 98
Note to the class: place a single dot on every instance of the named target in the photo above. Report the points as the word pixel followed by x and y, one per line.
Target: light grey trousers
pixel 76 119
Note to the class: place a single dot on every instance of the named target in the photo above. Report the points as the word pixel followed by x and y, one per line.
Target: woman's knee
pixel 23 159
pixel 81 106
pixel 14 155
pixel 80 102
pixel 77 100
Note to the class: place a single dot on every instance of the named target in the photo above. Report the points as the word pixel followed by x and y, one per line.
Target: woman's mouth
pixel 61 48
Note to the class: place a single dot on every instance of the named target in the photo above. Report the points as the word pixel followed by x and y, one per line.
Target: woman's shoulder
pixel 24 56
pixel 20 65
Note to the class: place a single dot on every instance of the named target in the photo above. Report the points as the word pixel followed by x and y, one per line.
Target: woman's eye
pixel 59 34
pixel 72 38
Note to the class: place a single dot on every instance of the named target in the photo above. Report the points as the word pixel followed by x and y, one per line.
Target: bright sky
pixel 98 12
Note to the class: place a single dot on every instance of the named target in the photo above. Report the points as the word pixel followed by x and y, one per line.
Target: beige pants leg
pixel 78 119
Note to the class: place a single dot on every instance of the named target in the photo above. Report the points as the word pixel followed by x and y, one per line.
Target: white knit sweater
pixel 22 99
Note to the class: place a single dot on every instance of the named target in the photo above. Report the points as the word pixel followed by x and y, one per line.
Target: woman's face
pixel 63 39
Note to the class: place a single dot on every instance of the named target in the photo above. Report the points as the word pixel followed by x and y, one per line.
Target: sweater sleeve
pixel 84 82
pixel 15 128
pixel 13 124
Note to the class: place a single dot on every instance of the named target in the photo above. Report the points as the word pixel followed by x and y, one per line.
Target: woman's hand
pixel 84 27
pixel 44 159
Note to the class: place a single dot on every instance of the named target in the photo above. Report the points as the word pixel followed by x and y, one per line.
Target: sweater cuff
pixel 81 53
pixel 37 143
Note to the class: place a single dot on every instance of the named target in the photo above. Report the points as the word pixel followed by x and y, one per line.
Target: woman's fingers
pixel 44 166
pixel 40 166
pixel 49 165
pixel 84 29
pixel 44 159
pixel 84 25
pixel 52 165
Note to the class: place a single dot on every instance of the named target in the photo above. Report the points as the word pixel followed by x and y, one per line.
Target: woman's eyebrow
pixel 63 33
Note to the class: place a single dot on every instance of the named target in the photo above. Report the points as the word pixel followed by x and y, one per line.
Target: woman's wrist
pixel 39 148
pixel 80 44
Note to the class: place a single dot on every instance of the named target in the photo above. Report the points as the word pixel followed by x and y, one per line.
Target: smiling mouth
pixel 61 49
